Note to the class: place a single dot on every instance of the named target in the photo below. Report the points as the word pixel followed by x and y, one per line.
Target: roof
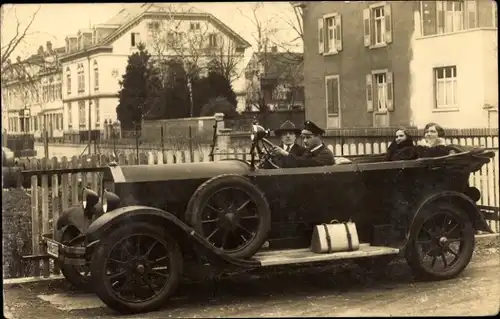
pixel 134 12
pixel 281 64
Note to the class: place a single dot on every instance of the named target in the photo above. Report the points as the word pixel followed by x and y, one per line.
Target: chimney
pixel 49 46
pixel 274 49
pixel 40 50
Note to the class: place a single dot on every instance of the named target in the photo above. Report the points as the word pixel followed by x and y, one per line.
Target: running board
pixel 305 255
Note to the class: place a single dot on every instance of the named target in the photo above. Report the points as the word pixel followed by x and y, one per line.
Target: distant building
pixel 31 96
pixel 94 60
pixel 390 63
pixel 275 79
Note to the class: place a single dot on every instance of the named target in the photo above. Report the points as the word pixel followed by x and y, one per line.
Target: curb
pixel 483 239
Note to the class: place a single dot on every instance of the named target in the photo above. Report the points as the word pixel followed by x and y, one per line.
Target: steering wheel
pixel 266 159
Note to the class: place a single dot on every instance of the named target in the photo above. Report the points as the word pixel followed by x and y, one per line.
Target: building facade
pixel 32 94
pixel 82 91
pixel 392 63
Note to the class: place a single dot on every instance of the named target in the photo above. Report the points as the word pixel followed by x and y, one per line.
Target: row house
pixel 96 59
pixel 391 63
pixel 32 94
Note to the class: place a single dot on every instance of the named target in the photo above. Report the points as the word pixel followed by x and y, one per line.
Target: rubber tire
pixel 207 189
pixel 69 272
pixel 101 286
pixel 411 253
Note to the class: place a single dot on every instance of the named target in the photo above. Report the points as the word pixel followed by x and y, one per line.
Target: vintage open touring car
pixel 147 224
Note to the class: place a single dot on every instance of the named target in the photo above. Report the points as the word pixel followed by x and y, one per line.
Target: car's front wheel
pixel 443 242
pixel 136 268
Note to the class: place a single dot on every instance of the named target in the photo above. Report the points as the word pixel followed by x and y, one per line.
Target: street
pixel 332 290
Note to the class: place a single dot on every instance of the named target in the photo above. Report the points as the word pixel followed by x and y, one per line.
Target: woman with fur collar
pixel 433 144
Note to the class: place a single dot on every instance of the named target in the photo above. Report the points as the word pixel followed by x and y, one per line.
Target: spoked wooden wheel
pixel 232 214
pixel 230 219
pixel 136 268
pixel 443 244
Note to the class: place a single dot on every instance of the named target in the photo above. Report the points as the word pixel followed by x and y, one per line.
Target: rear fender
pixel 186 236
pixel 475 215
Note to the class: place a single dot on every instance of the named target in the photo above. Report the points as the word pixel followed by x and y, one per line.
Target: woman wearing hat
pixel 288 134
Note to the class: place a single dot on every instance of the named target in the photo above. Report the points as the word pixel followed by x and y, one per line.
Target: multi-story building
pixel 78 86
pixel 31 96
pixel 275 79
pixel 96 59
pixel 391 63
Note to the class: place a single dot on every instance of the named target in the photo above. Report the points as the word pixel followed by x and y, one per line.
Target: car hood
pixel 181 171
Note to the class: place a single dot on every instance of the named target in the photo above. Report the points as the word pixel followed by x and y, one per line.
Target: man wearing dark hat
pixel 288 134
pixel 316 154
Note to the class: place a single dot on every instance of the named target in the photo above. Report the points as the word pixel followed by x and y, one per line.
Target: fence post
pixel 191 155
pixel 162 137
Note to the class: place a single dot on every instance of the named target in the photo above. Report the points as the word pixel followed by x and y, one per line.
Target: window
pixel 441 17
pixel 135 39
pixel 96 76
pixel 377 25
pixel 70 116
pixel 81 78
pixel 81 113
pixel 332 95
pixel 194 26
pixel 330 34
pixel 379 91
pixel 449 16
pixel 59 90
pixel 68 81
pixel 212 40
pixel 445 79
pixel 97 114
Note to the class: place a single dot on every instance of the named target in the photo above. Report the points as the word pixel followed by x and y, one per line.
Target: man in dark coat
pixel 288 134
pixel 316 154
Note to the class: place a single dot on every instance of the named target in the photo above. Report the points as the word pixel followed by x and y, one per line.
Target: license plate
pixel 52 248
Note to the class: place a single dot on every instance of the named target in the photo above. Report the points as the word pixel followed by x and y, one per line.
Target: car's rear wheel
pixel 232 214
pixel 136 268
pixel 78 276
pixel 443 242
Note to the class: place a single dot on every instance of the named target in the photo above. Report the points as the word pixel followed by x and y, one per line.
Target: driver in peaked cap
pixel 316 154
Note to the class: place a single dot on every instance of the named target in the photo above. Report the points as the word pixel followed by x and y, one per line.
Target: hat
pixel 311 128
pixel 287 126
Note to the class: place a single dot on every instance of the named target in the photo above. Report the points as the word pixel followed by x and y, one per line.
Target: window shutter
pixel 320 36
pixel 329 97
pixel 367 27
pixel 369 93
pixel 388 23
pixel 338 33
pixel 471 9
pixel 390 92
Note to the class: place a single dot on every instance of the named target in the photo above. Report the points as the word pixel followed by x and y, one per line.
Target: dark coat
pixel 402 151
pixel 297 150
pixel 434 151
pixel 320 157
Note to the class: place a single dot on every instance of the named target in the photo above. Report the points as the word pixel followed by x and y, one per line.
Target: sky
pixel 55 21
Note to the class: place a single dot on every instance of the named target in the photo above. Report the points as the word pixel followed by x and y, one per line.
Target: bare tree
pixel 263 31
pixel 225 57
pixel 19 76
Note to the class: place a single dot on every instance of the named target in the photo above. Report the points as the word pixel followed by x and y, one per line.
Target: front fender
pixel 182 232
pixel 74 216
pixel 475 215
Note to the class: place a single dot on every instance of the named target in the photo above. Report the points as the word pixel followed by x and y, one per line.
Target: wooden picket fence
pixel 48 200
